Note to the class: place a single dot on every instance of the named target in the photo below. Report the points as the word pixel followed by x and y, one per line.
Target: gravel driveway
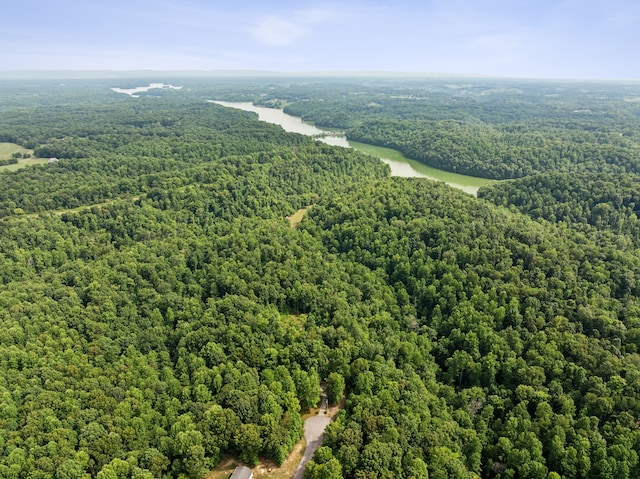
pixel 313 429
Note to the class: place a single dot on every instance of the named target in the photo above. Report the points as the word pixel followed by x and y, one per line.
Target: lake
pixel 134 91
pixel 400 165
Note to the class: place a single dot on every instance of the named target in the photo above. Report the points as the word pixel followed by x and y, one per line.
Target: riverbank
pixel 405 167
pixel 400 165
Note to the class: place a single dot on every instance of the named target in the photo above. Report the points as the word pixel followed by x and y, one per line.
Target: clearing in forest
pixel 266 469
pixel 298 216
pixel 6 153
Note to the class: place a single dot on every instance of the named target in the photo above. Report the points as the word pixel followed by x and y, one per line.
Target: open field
pixel 8 149
pixel 23 163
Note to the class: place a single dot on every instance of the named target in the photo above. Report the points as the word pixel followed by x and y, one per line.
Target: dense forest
pixel 484 129
pixel 603 201
pixel 160 313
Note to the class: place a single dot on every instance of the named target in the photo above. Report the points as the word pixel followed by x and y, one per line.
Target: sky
pixel 564 39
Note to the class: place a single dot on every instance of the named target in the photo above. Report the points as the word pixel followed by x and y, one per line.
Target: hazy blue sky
pixel 519 38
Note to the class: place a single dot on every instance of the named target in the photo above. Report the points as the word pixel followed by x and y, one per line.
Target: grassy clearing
pixel 8 149
pixel 222 470
pixel 296 218
pixel 264 470
pixel 22 163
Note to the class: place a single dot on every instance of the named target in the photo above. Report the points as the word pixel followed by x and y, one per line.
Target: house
pixel 242 472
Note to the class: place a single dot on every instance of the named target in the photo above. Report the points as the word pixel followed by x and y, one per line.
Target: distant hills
pixel 99 74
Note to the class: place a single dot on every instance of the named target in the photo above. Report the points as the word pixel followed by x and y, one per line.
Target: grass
pixel 264 470
pixel 8 149
pixel 24 162
pixel 85 207
pixel 222 470
pixel 297 217
pixel 96 205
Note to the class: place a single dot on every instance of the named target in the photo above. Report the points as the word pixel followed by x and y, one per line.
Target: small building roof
pixel 242 472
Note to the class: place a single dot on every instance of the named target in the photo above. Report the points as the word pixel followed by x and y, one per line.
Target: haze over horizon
pixel 564 39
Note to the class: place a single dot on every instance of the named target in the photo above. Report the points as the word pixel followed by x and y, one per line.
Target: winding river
pixel 400 165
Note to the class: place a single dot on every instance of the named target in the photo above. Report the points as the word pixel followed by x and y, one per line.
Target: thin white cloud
pixel 275 30
pixel 286 29
pixel 497 43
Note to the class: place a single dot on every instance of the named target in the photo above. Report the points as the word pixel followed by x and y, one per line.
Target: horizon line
pixel 115 73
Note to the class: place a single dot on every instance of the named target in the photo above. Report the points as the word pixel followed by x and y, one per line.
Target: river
pixel 400 165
